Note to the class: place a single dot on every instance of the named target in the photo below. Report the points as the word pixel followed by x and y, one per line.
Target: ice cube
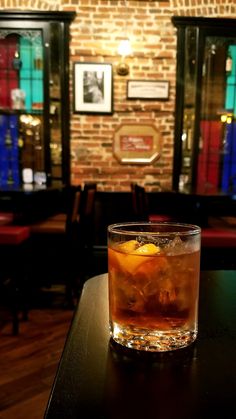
pixel 175 246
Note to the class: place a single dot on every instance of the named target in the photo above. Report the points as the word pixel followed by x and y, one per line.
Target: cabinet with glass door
pixel 34 120
pixel 205 125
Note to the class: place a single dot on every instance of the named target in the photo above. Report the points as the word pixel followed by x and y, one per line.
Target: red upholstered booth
pixel 216 237
pixel 219 243
pixel 159 217
pixel 13 240
pixel 13 235
pixel 6 218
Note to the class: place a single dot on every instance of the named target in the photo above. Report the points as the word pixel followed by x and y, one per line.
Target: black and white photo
pixel 93 88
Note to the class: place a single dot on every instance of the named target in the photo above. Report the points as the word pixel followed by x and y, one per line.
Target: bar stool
pixel 13 241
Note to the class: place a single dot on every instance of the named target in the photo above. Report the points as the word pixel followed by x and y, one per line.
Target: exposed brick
pixel 95 35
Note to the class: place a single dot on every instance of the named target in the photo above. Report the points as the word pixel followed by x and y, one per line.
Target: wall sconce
pixel 124 49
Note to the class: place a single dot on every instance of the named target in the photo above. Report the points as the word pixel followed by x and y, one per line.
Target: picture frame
pixel 137 143
pixel 148 89
pixel 93 88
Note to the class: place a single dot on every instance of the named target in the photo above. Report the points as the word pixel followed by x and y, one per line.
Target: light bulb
pixel 124 48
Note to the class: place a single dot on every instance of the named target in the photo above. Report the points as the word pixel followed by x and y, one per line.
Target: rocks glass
pixel 153 273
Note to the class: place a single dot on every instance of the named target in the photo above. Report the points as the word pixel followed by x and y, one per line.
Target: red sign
pixel 136 143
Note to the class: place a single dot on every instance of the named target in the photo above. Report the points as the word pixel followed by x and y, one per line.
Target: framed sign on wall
pixel 93 88
pixel 137 143
pixel 147 89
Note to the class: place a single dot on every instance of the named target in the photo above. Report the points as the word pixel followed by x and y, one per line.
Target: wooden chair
pixel 56 224
pixel 87 213
pixel 49 239
pixel 67 241
pixel 139 202
pixel 80 235
pixel 141 207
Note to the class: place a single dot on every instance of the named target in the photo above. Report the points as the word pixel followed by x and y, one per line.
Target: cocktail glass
pixel 153 271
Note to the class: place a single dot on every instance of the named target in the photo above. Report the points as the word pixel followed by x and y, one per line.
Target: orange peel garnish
pixel 128 247
pixel 148 249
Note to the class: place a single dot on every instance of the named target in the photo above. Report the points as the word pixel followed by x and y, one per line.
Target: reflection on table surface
pixel 101 379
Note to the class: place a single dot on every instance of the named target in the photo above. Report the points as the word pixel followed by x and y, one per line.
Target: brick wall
pixel 95 35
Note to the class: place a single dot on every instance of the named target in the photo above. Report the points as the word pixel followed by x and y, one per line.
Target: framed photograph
pixel 149 90
pixel 137 143
pixel 93 90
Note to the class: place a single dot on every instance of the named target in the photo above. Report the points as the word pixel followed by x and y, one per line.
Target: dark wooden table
pixel 99 379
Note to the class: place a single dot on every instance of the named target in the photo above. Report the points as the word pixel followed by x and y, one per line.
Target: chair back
pixel 80 218
pixel 76 207
pixel 87 213
pixel 73 206
pixel 139 202
pixel 80 235
pixel 88 200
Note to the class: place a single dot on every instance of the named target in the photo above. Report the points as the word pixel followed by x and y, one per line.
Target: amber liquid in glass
pixel 153 296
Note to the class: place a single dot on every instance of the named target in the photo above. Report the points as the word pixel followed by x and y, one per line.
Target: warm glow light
pixel 223 118
pixel 226 118
pixel 124 48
